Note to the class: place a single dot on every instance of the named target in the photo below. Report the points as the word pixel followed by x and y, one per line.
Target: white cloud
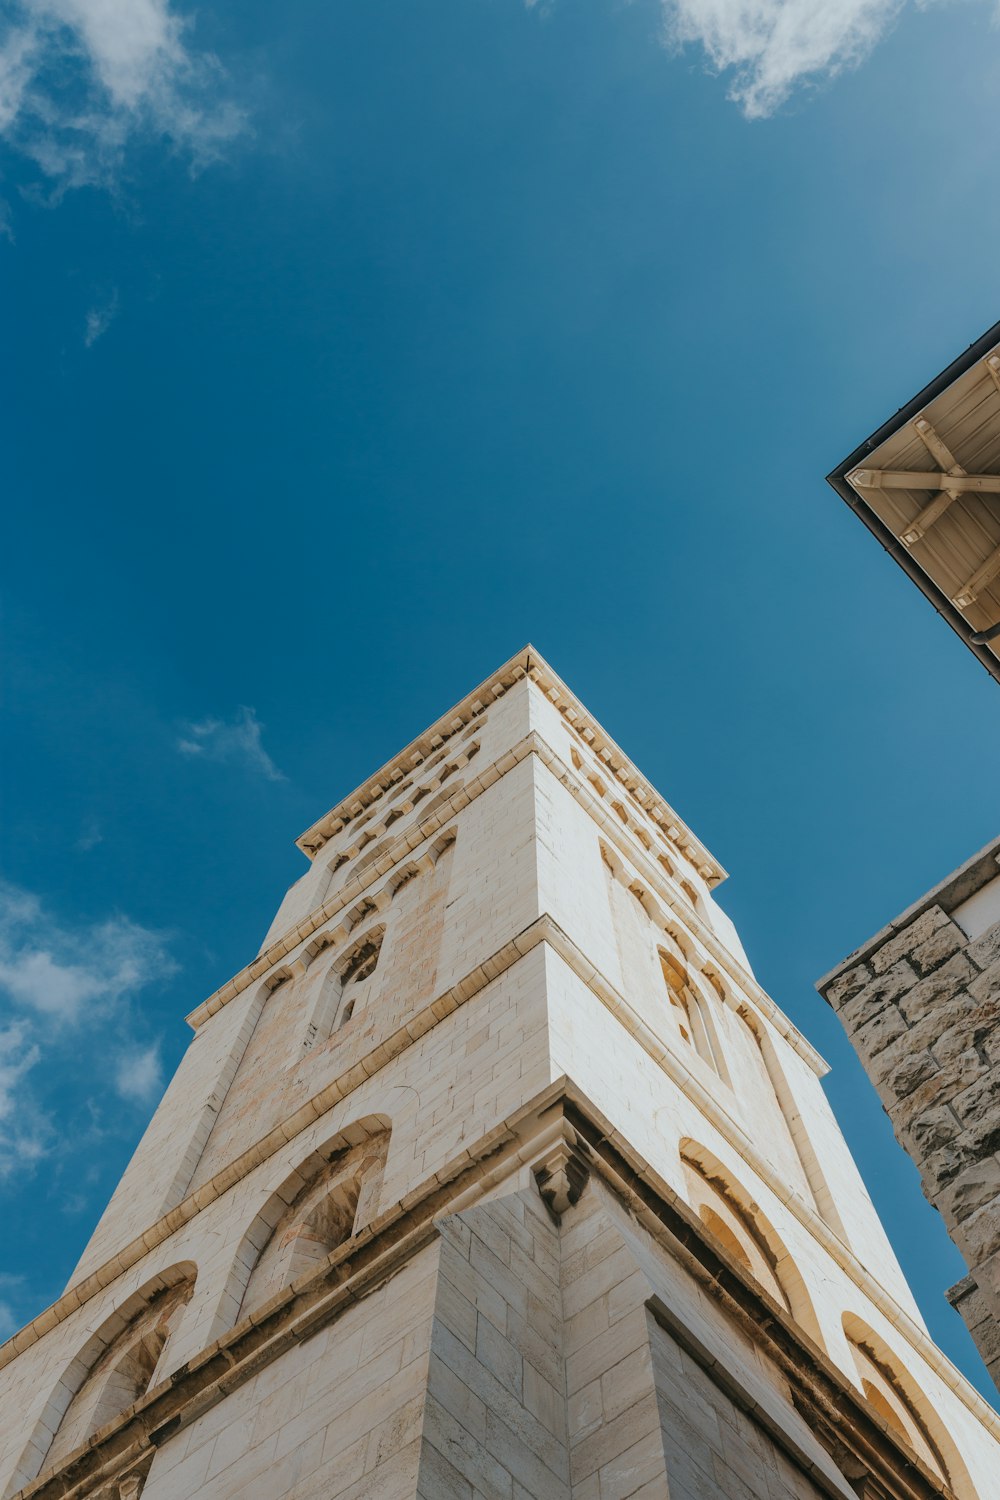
pixel 238 743
pixel 81 80
pixel 99 319
pixel 55 973
pixel 138 1075
pixel 64 992
pixel 771 46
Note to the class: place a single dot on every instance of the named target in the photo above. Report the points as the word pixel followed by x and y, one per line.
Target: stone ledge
pixel 948 894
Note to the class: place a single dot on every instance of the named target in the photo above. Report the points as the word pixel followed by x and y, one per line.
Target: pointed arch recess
pixel 719 1199
pixel 897 1398
pixel 113 1369
pixel 331 1194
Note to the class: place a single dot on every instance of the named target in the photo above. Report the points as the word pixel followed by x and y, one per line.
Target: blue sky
pixel 352 346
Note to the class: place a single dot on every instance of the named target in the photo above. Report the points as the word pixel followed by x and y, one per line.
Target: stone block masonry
pixel 920 1003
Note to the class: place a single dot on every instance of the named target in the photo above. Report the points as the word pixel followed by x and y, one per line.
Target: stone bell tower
pixel 494 1176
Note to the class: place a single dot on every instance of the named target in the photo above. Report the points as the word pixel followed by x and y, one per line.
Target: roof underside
pixel 927 484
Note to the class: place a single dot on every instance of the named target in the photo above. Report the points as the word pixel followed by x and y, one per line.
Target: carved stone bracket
pixel 561 1177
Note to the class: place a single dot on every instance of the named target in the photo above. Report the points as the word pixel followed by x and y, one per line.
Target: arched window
pixel 892 1396
pixel 687 1007
pixel 118 1365
pixel 344 987
pixel 341 1189
pixel 353 971
pixel 737 1222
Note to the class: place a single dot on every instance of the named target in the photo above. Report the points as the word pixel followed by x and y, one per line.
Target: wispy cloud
pixel 138 1075
pixel 63 990
pixel 9 1321
pixel 769 47
pixel 99 319
pixel 236 743
pixel 24 1131
pixel 54 973
pixel 91 834
pixel 83 80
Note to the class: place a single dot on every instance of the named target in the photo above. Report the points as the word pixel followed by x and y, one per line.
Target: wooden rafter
pixel 930 479
pixel 951 481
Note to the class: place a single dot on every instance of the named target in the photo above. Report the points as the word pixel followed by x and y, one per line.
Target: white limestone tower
pixel 495 1176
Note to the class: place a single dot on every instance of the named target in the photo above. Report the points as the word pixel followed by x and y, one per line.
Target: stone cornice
pixel 526 663
pixel 840 1418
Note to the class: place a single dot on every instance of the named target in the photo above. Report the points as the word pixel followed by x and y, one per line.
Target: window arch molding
pixel 73 1412
pixel 714 1188
pixel 898 1400
pixel 339 1179
pixel 354 963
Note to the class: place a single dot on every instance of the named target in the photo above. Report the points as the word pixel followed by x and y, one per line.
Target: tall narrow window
pixel 360 966
pixel 688 1010
pixel 675 978
pixel 344 987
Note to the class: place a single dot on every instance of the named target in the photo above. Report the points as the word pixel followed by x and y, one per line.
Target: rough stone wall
pixel 920 1003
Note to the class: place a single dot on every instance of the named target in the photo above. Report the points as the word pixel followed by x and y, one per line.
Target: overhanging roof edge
pixel 837 479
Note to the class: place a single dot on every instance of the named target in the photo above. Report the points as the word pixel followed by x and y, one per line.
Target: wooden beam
pixel 969 591
pixel 925 479
pixel 939 450
pixel 992 363
pixel 936 446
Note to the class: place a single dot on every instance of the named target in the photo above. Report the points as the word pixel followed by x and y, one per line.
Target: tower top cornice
pixel 526 663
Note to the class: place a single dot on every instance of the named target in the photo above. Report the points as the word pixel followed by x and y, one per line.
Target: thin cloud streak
pixel 235 743
pixel 100 319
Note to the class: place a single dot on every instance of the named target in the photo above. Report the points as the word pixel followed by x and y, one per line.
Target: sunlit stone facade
pixel 495 1175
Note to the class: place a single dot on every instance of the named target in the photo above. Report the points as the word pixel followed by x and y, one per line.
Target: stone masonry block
pixel 938 948
pixel 942 1167
pixel 986 986
pixel 979 1234
pixel 929 1131
pixel 985 949
pixel 978 1103
pixel 938 988
pixel 912 1071
pixel 874 1037
pixel 847 985
pixel 979 1184
pixel 940 1088
pixel 988 1278
pixel 874 998
pixel 910 938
